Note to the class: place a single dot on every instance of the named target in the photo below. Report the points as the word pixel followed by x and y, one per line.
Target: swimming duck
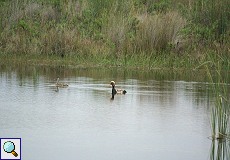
pixel 58 84
pixel 116 91
pixel 121 91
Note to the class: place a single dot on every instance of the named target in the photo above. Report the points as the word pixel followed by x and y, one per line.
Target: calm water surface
pixel 164 116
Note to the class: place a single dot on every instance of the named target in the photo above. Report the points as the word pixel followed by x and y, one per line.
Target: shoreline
pixel 135 62
pixel 140 62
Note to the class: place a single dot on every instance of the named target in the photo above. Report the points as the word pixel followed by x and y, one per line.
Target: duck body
pixel 61 85
pixel 121 91
pixel 58 84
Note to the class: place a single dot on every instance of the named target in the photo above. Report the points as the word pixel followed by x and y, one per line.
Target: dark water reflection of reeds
pixel 24 71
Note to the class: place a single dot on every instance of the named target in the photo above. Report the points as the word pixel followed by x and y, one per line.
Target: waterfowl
pixel 116 91
pixel 121 91
pixel 58 84
pixel 113 89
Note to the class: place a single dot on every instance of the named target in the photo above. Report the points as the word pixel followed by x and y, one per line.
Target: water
pixel 164 116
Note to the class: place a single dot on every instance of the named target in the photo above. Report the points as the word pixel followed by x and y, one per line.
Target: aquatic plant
pixel 220 118
pixel 220 113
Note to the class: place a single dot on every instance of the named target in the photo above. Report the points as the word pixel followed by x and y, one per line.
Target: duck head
pixel 112 83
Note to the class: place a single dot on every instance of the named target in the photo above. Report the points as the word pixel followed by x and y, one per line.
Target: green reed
pixel 220 113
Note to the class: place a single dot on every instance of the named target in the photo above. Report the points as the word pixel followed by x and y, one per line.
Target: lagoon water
pixel 163 116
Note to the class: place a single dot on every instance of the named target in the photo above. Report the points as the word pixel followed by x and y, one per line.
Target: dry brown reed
pixel 116 31
pixel 157 31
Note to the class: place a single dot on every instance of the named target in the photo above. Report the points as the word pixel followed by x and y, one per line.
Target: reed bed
pixel 220 118
pixel 220 113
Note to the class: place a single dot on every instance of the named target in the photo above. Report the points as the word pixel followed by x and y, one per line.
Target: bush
pixel 210 20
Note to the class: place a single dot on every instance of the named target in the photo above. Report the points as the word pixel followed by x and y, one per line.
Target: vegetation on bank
pixel 149 33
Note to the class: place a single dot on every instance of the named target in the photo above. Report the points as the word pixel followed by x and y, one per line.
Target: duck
pixel 58 84
pixel 121 91
pixel 117 91
pixel 113 89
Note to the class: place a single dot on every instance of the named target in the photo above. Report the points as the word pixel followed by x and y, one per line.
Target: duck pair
pixel 116 91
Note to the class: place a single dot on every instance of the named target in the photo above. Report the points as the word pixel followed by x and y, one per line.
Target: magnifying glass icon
pixel 9 147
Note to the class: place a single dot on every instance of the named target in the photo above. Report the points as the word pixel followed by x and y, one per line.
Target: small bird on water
pixel 58 84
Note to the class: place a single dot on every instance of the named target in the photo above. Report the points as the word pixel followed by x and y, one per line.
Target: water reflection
pixel 220 150
pixel 118 73
pixel 164 115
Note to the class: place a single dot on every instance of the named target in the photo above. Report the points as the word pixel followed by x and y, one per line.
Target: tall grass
pixel 220 119
pixel 220 113
pixel 157 32
pixel 116 28
pixel 31 20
